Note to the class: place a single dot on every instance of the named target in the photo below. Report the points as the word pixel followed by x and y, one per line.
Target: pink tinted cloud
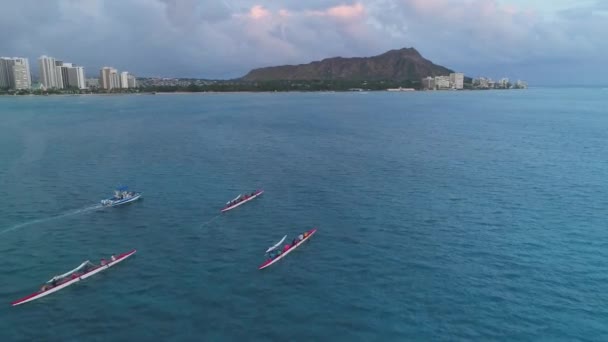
pixel 341 12
pixel 258 12
pixel 346 11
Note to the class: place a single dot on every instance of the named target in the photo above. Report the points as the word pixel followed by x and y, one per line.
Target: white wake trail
pixel 47 219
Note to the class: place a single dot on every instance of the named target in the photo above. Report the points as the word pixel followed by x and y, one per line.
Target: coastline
pixel 147 93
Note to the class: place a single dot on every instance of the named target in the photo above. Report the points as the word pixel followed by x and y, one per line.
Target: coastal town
pixel 456 81
pixel 58 77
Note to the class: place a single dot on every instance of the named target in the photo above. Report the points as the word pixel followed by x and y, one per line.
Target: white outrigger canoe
pixel 240 200
pixel 67 282
pixel 271 261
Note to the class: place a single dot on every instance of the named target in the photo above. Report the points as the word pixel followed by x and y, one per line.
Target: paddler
pixel 301 237
pixel 103 262
pixel 113 257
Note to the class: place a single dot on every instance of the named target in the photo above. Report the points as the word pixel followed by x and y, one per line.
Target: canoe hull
pixel 259 193
pixel 269 263
pixel 41 294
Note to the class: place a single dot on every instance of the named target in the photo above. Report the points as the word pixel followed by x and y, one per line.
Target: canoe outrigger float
pixel 275 255
pixel 122 195
pixel 85 270
pixel 241 199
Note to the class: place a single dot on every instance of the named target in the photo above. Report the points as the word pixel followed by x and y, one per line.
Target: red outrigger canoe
pixel 242 200
pixel 271 262
pixel 67 282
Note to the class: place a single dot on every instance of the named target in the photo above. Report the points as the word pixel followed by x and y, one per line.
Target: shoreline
pixel 260 92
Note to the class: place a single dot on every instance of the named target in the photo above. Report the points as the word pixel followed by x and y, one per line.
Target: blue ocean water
pixel 442 216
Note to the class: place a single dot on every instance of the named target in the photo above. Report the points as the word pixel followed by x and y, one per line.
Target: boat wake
pixel 209 222
pixel 47 219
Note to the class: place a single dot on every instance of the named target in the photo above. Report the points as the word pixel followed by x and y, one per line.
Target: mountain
pixel 405 64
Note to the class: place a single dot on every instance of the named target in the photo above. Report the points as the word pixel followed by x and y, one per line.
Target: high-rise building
pixel 15 73
pixel 108 78
pixel 49 73
pixel 72 76
pixel 114 79
pixel 124 80
pixel 75 77
pixel 442 82
pixel 62 73
pixel 428 83
pixel 59 75
pixel 21 74
pixel 457 80
pixel 82 84
pixel 132 81
pixel 6 67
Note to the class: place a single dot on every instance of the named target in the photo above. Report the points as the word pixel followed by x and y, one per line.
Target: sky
pixel 561 42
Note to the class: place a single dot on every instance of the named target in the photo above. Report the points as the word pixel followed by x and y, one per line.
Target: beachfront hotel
pixel 15 73
pixel 55 74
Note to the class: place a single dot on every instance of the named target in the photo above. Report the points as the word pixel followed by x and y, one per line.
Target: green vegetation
pixel 282 86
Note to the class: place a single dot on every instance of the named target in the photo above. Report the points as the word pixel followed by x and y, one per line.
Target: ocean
pixel 442 216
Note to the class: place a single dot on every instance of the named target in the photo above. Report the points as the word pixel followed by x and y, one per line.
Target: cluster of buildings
pixel 109 79
pixel 504 83
pixel 453 81
pixel 56 74
pixel 172 82
pixel 456 81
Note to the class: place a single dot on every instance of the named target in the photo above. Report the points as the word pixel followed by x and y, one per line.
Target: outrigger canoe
pixel 241 199
pixel 270 262
pixel 63 281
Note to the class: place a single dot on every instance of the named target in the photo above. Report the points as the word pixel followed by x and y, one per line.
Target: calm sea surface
pixel 442 216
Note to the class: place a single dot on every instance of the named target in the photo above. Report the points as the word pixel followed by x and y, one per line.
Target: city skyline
pixel 545 42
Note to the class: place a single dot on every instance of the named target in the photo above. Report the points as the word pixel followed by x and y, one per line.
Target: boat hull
pixel 115 203
pixel 259 193
pixel 57 288
pixel 269 263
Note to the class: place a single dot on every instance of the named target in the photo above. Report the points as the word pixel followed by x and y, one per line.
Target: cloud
pixel 220 39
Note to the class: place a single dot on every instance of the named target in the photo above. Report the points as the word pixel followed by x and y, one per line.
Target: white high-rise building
pixel 124 80
pixel 49 73
pixel 132 81
pixel 428 83
pixel 442 82
pixel 108 78
pixel 15 73
pixel 114 79
pixel 6 72
pixel 457 80
pixel 21 74
pixel 76 77
pixel 82 83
